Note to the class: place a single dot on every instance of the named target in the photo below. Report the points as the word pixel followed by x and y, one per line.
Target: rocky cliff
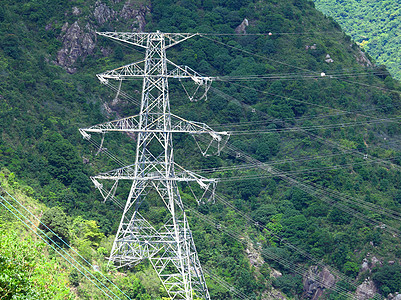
pixel 79 37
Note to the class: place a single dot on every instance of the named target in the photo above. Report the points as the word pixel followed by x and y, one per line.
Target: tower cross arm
pixel 136 70
pixel 180 174
pixel 126 125
pixel 133 70
pixel 131 124
pixel 179 124
pixel 186 72
pixel 141 38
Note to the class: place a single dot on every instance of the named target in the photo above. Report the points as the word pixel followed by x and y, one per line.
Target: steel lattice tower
pixel 170 248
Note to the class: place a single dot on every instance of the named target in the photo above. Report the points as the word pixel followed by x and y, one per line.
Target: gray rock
pixel 273 294
pixel 366 290
pixel 365 266
pixel 76 43
pixel 79 41
pixel 241 29
pixel 363 60
pixel 316 282
pixel 131 11
pixel 375 261
pixel 103 13
pixel 275 273
pixel 65 27
pixel 76 11
pixel 328 59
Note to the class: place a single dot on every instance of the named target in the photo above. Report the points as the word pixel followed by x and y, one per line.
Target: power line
pixel 313 127
pixel 285 262
pixel 257 55
pixel 293 66
pixel 47 239
pixel 269 33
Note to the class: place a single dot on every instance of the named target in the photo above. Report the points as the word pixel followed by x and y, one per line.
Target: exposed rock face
pixel 369 263
pixel 103 13
pixel 311 47
pixel 79 41
pixel 375 262
pixel 76 11
pixel 275 273
pixel 362 59
pixel 76 43
pixel 131 11
pixel 255 258
pixel 366 290
pixel 365 266
pixel 316 282
pixel 397 297
pixel 241 29
pixel 328 59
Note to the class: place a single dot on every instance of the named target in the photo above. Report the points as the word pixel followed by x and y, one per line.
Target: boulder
pixel 316 282
pixel 103 13
pixel 79 41
pixel 366 290
pixel 241 28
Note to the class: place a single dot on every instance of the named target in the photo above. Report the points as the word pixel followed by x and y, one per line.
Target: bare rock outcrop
pixel 76 43
pixel 364 266
pixel 131 11
pixel 396 296
pixel 363 60
pixel 241 29
pixel 254 255
pixel 328 59
pixel 316 282
pixel 79 40
pixel 275 273
pixel 366 290
pixel 103 13
pixel 76 11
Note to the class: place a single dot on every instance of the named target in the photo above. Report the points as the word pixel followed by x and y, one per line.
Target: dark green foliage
pixel 63 161
pixel 10 46
pixel 388 278
pixel 264 213
pixel 55 224
pixel 289 284
pixel 337 216
pixel 74 278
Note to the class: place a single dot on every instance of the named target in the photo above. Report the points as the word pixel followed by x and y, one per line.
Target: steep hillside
pixel 44 254
pixel 25 271
pixel 308 202
pixel 373 24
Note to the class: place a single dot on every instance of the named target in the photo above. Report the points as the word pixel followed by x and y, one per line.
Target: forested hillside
pixel 374 25
pixel 308 202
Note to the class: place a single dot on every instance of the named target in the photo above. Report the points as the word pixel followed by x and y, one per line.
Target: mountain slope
pixel 294 90
pixel 373 24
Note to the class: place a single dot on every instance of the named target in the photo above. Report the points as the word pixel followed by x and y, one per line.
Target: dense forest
pixel 308 201
pixel 372 24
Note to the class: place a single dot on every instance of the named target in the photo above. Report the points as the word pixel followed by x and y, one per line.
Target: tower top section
pixel 141 39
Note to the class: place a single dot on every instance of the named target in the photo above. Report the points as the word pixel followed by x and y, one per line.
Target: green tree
pixel 388 278
pixel 55 224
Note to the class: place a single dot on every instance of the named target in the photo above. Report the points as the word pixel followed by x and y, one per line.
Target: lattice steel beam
pixel 170 248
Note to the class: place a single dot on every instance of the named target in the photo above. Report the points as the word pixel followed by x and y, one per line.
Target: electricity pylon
pixel 170 248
